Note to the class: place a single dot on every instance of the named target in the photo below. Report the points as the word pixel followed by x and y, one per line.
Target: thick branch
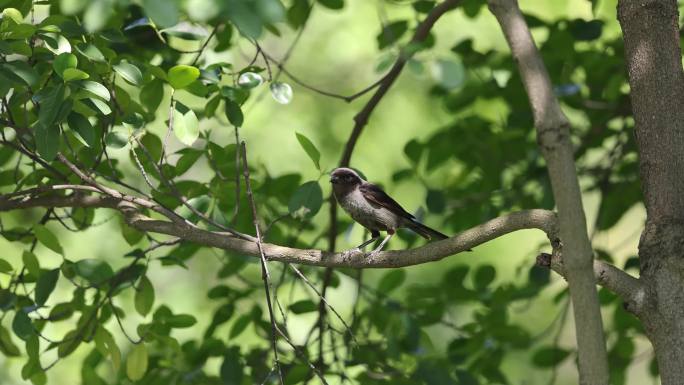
pixel 531 219
pixel 607 275
pixel 627 287
pixel 553 136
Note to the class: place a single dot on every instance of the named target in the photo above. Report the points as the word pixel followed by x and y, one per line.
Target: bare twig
pixel 264 265
pixel 204 45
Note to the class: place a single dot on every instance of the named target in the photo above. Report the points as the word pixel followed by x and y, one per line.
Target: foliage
pixel 86 79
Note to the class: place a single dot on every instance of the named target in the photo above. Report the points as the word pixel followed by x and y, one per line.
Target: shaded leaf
pixel 45 285
pixel 144 296
pixel 306 201
pixel 47 238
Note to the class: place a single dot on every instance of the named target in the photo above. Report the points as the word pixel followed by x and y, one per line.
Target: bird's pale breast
pixel 370 216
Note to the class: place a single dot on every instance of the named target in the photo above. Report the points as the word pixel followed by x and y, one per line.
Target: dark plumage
pixel 371 207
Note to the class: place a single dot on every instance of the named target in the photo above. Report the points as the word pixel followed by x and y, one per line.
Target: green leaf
pixel 181 76
pixel 185 124
pixel 95 271
pixel 144 296
pixel 91 52
pixel 115 140
pixel 22 326
pixel 550 356
pixel 83 129
pixel 129 72
pixel 450 73
pixel 31 263
pixel 47 238
pixel 436 201
pixel 332 4
pixel 45 285
pixel 163 13
pixel 50 104
pixel 106 345
pixel 244 18
pixel 7 346
pixel 188 158
pixel 484 275
pixel 136 362
pixel 234 113
pixel 14 14
pixel 303 306
pixel 306 200
pixel 97 14
pixel 271 11
pixel 298 13
pixel 240 325
pixel 391 33
pixel 391 280
pixel 24 71
pixel 232 369
pixel 63 62
pixel 151 95
pixel 5 267
pixel 297 375
pixel 95 88
pixel 180 321
pixel 583 30
pixel 47 141
pixel 74 74
pixel 310 149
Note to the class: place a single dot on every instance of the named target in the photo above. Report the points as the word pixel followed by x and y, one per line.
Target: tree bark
pixel 651 35
pixel 553 137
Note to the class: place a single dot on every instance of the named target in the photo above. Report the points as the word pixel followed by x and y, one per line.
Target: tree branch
pixel 553 137
pixel 361 119
pixel 607 275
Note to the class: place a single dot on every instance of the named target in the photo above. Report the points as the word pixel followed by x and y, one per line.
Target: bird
pixel 373 209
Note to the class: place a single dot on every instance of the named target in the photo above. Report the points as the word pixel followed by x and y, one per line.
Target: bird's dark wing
pixel 375 195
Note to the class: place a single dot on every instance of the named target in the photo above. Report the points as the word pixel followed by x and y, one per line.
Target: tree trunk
pixel 553 136
pixel 651 35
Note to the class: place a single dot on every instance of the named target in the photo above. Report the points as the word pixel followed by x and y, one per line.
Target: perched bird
pixel 373 209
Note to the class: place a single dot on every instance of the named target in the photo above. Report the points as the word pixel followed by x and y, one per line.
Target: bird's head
pixel 345 176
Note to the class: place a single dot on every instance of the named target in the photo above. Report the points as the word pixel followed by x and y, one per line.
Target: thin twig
pixel 264 266
pixel 204 45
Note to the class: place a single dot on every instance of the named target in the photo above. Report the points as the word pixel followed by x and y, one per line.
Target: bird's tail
pixel 425 231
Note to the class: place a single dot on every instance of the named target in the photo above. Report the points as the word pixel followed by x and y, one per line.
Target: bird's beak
pixel 334 179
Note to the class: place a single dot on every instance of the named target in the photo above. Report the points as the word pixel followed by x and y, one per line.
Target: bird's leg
pixel 374 236
pixel 382 244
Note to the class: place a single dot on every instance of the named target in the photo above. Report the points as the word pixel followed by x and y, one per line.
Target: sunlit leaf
pixel 136 362
pixel 185 124
pixel 310 149
pixel 129 72
pixel 64 61
pixel 181 76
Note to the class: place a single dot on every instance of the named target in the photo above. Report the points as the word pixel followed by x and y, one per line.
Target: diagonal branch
pixel 422 32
